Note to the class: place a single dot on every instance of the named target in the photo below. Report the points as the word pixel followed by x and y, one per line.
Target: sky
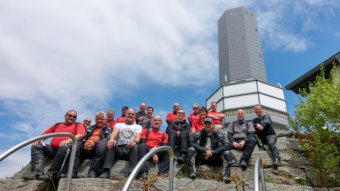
pixel 98 55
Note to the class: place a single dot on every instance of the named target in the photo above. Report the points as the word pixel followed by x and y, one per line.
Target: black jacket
pixel 217 141
pixel 104 133
pixel 266 122
pixel 176 125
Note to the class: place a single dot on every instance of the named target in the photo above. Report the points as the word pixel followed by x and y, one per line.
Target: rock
pixel 295 171
pixel 22 185
pixel 91 184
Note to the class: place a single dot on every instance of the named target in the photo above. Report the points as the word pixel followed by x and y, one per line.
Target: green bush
pixel 318 116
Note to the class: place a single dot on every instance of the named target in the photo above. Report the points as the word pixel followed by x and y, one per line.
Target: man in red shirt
pixel 198 125
pixel 110 121
pixel 150 139
pixel 216 116
pixel 57 149
pixel 194 116
pixel 173 116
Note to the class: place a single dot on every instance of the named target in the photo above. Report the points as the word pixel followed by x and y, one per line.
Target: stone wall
pixel 294 174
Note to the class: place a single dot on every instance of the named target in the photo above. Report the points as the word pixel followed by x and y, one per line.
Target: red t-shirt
pixel 216 121
pixel 122 120
pixel 172 117
pixel 63 128
pixel 194 117
pixel 113 122
pixel 198 125
pixel 154 138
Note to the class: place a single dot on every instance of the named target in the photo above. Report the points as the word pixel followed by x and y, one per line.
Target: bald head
pixel 240 114
pixel 157 122
pixel 176 107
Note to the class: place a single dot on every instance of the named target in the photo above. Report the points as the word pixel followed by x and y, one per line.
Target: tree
pixel 318 116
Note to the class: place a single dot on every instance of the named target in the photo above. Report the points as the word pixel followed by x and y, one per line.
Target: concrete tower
pixel 240 52
pixel 242 75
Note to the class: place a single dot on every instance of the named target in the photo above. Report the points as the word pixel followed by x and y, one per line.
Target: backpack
pixel 56 125
pixel 148 132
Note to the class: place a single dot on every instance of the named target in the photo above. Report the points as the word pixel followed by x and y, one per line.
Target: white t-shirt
pixel 127 132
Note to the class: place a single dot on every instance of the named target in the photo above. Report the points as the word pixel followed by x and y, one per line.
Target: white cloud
pixel 61 55
pixel 14 162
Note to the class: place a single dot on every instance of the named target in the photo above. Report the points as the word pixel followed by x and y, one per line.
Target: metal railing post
pixel 145 159
pixel 258 172
pixel 23 144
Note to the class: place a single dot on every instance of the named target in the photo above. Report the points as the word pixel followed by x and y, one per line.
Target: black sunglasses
pixel 74 116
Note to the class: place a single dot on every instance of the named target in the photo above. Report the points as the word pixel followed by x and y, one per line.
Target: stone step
pixel 178 184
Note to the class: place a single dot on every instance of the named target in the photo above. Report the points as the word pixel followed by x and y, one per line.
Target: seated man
pixel 57 149
pixel 265 131
pixel 141 113
pixel 123 143
pixel 122 118
pixel 87 122
pixel 241 136
pixel 198 125
pixel 94 145
pixel 173 116
pixel 216 116
pixel 110 121
pixel 194 116
pixel 178 132
pixel 209 145
pixel 150 139
pixel 146 121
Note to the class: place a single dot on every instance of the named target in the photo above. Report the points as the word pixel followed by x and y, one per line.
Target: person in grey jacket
pixel 241 136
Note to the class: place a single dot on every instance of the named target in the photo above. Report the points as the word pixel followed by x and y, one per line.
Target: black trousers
pixel 248 148
pixel 39 152
pixel 198 157
pixel 97 154
pixel 182 141
pixel 122 152
pixel 269 140
pixel 163 159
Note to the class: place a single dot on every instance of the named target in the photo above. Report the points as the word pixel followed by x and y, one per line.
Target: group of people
pixel 201 138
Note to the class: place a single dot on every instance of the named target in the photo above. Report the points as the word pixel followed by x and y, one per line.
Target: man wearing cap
pixel 241 136
pixel 209 145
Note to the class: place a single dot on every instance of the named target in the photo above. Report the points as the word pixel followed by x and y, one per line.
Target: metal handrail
pixel 145 159
pixel 258 171
pixel 23 144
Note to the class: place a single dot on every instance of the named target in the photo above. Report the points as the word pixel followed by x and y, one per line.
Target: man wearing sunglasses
pixel 57 149
pixel 87 122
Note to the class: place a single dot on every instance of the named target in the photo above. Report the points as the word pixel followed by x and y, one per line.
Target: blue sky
pixel 96 55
